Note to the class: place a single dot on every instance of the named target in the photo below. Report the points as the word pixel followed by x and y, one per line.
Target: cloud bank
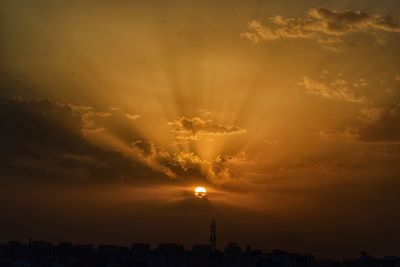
pixel 338 89
pixel 196 128
pixel 327 27
pixel 42 139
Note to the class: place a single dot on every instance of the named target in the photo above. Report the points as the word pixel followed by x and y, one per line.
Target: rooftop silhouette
pixel 46 254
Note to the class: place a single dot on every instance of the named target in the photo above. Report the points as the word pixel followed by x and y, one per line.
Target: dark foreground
pixel 44 254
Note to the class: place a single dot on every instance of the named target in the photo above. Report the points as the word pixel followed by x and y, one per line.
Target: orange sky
pixel 289 114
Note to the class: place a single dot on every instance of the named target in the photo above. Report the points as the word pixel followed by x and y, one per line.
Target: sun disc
pixel 200 191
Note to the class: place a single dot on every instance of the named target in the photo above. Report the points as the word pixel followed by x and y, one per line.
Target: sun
pixel 200 192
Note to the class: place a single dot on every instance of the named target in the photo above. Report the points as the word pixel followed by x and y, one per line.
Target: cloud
pixel 322 25
pixel 154 156
pixel 348 134
pixel 147 149
pixel 383 127
pixel 40 124
pixel 334 22
pixel 379 125
pixel 227 170
pixel 338 89
pixel 132 116
pixel 42 140
pixel 115 120
pixel 189 160
pixel 45 140
pixel 371 114
pixel 195 128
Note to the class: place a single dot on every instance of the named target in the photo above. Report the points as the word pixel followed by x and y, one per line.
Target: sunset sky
pixel 288 112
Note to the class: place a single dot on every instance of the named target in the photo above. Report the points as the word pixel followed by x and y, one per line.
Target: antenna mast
pixel 213 237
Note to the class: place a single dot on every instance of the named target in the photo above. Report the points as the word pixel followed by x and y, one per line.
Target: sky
pixel 288 112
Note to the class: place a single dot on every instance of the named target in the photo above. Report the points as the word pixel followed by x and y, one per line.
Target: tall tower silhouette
pixel 213 237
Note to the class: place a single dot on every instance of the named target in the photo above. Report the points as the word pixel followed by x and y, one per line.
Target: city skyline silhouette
pixel 193 129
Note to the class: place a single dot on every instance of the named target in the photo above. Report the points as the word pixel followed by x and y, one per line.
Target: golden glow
pixel 200 192
pixel 272 122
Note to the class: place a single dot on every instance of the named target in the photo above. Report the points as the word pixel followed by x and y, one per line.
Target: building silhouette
pixel 65 254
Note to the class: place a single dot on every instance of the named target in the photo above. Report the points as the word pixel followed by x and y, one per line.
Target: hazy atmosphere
pixel 288 112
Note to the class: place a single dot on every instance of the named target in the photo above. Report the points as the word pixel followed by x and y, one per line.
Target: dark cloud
pixel 114 120
pixel 332 21
pixel 378 125
pixel 38 123
pixel 384 127
pixel 230 172
pixel 44 140
pixel 325 26
pixel 62 143
pixel 155 157
pixel 196 128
